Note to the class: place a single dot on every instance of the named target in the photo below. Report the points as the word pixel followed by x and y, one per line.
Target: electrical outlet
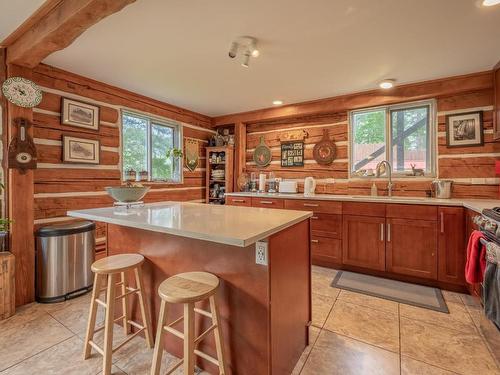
pixel 261 253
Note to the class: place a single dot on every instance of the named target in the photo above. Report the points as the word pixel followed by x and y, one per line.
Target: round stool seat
pixel 117 263
pixel 188 287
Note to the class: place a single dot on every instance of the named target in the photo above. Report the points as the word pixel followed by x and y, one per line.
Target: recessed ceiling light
pixel 489 3
pixel 277 102
pixel 387 84
pixel 255 53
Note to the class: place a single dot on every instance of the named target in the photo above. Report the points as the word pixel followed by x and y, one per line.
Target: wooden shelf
pixel 227 182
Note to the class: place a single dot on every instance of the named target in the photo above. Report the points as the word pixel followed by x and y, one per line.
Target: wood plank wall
pixel 471 168
pixel 61 187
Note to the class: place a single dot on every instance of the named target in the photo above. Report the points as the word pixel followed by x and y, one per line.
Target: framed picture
pixel 80 114
pixel 464 129
pixel 80 150
pixel 292 154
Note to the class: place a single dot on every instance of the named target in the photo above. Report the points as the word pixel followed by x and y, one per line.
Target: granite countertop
pixel 231 225
pixel 474 204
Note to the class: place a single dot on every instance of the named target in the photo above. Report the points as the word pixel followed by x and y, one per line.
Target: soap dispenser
pixel 374 190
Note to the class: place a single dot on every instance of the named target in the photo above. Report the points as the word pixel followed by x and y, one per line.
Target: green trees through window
pixel 145 146
pixel 408 143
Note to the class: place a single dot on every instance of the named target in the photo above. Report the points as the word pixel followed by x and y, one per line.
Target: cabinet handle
pixel 388 232
pixel 382 232
pixel 266 202
pixel 315 241
pixel 442 222
pixel 311 205
pixel 239 200
pixel 314 217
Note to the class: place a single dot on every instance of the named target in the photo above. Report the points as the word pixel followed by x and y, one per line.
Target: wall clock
pixel 22 92
pixel 324 150
pixel 262 154
pixel 22 150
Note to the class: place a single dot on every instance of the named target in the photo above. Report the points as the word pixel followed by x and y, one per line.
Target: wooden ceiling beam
pixel 54 27
pixel 399 94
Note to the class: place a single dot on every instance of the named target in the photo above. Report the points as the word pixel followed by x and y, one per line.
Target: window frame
pixel 178 143
pixel 389 109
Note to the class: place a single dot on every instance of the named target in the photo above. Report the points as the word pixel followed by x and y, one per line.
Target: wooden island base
pixel 265 310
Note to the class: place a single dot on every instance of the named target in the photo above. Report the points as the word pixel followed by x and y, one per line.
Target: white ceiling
pixel 14 12
pixel 176 50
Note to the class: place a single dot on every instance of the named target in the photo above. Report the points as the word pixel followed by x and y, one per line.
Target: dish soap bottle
pixel 374 190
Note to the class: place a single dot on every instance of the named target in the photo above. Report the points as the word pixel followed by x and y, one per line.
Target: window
pixel 145 143
pixel 402 134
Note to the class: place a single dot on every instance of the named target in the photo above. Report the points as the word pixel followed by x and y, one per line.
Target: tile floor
pixel 351 334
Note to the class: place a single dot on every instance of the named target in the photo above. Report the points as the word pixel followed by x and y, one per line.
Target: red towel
pixel 476 258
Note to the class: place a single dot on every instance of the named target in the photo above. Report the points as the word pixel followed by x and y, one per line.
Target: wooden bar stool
pixel 113 267
pixel 189 288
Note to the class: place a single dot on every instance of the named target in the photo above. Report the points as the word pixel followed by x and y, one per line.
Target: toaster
pixel 288 186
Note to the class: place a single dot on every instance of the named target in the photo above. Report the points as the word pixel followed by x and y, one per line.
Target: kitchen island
pixel 265 308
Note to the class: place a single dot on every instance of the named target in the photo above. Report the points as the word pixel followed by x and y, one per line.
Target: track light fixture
pixel 247 45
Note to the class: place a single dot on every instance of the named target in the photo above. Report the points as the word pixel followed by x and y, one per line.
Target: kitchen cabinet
pixel 363 241
pixel 451 253
pixel 411 247
pixel 267 202
pixel 238 201
pixel 326 229
pixel 326 250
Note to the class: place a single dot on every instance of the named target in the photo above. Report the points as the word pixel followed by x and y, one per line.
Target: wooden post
pixel 7 287
pixel 240 146
pixel 21 206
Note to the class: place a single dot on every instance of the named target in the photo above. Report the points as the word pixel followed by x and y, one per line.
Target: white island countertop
pixel 231 225
pixel 474 204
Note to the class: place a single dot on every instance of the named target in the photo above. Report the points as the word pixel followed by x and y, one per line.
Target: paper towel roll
pixel 262 182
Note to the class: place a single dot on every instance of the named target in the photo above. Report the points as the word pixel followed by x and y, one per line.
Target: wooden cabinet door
pixel 326 250
pixel 452 247
pixel 363 241
pixel 412 247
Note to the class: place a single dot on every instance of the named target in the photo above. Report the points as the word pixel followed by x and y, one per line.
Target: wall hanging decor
pixel 22 150
pixel 292 154
pixel 22 92
pixel 464 129
pixel 192 153
pixel 262 155
pixel 293 135
pixel 324 150
pixel 76 113
pixel 81 150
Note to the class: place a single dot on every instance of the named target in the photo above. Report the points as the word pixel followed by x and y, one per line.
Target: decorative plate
pixel 324 150
pixel 22 92
pixel 262 154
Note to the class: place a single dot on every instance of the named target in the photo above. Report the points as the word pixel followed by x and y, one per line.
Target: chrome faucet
pixel 388 172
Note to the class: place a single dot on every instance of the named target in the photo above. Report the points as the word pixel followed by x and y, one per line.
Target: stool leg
pixel 160 338
pixel 108 325
pixel 218 335
pixel 188 338
pixel 89 335
pixel 146 319
pixel 125 308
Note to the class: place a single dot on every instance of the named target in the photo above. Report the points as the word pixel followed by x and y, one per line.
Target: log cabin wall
pixel 60 187
pixel 471 168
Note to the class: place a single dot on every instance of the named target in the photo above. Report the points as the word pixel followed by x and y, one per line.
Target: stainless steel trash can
pixel 64 254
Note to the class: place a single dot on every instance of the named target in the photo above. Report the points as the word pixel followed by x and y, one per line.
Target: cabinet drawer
pixel 327 249
pixel 326 225
pixel 363 209
pixel 267 202
pixel 316 206
pixel 239 201
pixel 411 211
